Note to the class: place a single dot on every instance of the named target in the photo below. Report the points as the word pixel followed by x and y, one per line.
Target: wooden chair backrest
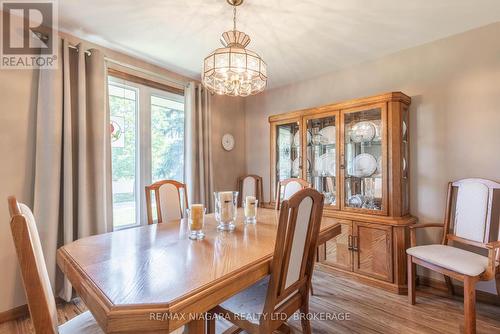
pixel 472 212
pixel 41 301
pixel 294 253
pixel 250 185
pixel 289 187
pixel 170 203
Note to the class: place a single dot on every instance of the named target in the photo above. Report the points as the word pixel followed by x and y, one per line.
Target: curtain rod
pixel 132 67
pixel 76 48
pixel 138 69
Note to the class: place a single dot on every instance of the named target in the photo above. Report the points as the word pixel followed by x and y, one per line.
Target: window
pixel 167 139
pixel 123 116
pixel 147 141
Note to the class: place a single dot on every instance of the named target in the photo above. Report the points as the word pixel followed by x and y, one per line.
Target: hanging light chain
pixel 234 18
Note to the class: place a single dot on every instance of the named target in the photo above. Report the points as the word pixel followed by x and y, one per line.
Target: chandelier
pixel 234 70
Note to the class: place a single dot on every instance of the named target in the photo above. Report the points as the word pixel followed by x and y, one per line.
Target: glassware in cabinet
pixel 363 157
pixel 321 156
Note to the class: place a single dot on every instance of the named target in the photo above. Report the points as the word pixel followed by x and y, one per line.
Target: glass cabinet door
pixel 321 156
pixel 287 151
pixel 405 155
pixel 363 158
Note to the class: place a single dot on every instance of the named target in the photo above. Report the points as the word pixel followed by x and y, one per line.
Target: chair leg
pixel 233 330
pixel 196 326
pixel 304 321
pixel 469 305
pixel 283 329
pixel 211 325
pixel 449 284
pixel 497 281
pixel 411 280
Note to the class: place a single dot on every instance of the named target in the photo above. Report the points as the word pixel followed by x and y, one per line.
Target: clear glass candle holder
pixel 226 203
pixel 250 206
pixel 196 221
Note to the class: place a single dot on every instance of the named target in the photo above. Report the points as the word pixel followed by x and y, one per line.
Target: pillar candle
pixel 250 206
pixel 227 206
pixel 196 217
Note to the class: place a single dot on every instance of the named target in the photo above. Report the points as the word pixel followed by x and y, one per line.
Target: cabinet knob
pixel 349 242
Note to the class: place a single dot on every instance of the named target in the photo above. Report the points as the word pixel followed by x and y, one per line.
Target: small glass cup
pixel 196 220
pixel 250 206
pixel 226 203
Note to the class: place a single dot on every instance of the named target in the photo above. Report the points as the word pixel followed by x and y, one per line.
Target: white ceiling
pixel 298 39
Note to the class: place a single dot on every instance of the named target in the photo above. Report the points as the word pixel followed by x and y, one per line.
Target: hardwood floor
pixel 65 312
pixel 370 310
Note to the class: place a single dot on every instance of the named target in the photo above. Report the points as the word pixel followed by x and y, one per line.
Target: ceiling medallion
pixel 234 70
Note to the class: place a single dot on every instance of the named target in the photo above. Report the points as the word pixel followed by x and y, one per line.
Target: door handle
pixel 349 242
pixel 355 244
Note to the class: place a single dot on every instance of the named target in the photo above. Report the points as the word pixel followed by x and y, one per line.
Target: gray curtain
pixel 72 190
pixel 198 146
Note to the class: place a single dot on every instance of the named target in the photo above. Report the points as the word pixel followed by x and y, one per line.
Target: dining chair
pixel 169 200
pixel 471 220
pixel 250 185
pixel 288 187
pixel 286 289
pixel 41 301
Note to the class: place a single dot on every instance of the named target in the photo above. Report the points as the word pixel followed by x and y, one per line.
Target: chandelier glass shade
pixel 234 70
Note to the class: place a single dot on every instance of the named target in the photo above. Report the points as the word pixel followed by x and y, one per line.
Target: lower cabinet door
pixel 373 250
pixel 338 252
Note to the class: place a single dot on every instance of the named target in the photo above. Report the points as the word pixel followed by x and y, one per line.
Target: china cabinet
pixel 356 153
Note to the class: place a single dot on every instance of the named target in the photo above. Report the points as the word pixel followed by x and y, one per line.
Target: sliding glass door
pixel 147 139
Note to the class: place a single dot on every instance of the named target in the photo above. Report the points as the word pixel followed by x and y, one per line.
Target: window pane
pixel 123 117
pixel 167 138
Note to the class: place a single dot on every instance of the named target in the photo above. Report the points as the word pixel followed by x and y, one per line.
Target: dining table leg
pixel 196 326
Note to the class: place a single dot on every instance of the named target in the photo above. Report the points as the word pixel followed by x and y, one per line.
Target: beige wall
pixel 18 89
pixel 228 116
pixel 455 113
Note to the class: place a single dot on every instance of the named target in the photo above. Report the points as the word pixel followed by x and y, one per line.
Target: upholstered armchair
pixel 471 219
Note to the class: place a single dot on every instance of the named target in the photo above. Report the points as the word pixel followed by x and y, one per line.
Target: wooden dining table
pixel 154 279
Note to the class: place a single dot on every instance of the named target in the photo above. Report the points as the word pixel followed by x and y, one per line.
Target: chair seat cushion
pixel 81 324
pixel 452 258
pixel 249 303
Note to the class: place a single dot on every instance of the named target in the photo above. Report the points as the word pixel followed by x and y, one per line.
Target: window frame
pixel 143 156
